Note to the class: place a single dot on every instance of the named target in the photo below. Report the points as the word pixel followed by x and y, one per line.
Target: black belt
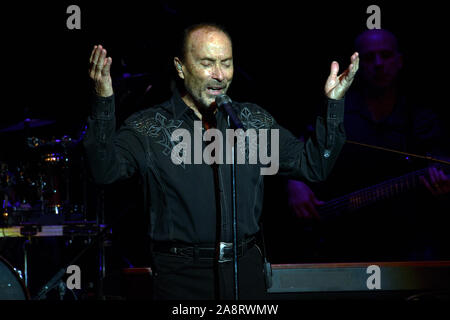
pixel 205 252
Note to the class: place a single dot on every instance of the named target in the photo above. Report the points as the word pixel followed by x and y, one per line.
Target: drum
pixel 55 186
pixel 53 165
pixel 11 285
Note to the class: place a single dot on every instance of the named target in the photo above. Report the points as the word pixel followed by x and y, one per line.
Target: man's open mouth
pixel 215 90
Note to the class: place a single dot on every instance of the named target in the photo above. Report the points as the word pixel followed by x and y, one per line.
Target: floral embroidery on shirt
pixel 253 120
pixel 158 127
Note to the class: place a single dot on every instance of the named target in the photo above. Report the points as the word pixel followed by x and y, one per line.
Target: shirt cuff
pixel 102 107
pixel 335 109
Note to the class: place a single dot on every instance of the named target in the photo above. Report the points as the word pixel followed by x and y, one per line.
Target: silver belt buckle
pixel 222 247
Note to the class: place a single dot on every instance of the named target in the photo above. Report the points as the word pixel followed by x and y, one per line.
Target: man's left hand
pixel 336 86
pixel 438 183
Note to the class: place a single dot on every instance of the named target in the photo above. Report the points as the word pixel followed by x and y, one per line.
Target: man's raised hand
pixel 99 71
pixel 336 86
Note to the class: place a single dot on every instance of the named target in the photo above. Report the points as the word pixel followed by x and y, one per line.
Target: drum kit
pixel 39 184
pixel 43 193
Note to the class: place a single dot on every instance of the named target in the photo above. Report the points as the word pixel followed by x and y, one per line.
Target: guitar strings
pixel 332 206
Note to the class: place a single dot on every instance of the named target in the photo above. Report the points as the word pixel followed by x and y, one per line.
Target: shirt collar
pixel 177 106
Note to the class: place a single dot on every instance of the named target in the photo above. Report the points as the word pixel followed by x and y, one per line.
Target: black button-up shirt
pixel 181 199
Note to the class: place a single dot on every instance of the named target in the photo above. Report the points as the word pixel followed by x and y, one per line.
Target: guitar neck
pixel 367 196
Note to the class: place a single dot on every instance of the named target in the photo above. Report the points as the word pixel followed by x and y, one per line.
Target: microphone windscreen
pixel 222 99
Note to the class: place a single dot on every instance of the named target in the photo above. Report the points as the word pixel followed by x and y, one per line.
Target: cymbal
pixel 30 123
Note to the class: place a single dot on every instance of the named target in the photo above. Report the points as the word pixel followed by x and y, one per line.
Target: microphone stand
pixel 237 124
pixel 234 219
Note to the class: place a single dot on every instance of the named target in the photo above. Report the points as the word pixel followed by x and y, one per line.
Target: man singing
pixel 190 205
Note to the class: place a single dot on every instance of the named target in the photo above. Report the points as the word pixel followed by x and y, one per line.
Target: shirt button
pixel 326 154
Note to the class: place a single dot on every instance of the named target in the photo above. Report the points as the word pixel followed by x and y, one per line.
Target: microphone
pixel 224 101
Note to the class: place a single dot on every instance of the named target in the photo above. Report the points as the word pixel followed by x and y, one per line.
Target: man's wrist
pixel 335 109
pixel 102 107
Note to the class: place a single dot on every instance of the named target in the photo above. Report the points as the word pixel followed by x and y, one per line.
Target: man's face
pixel 380 60
pixel 208 67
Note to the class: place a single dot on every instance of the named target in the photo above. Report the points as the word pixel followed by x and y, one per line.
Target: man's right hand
pixel 99 72
pixel 302 200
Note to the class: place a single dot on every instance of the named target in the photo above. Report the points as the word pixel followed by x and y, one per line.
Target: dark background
pixel 282 50
pixel 282 55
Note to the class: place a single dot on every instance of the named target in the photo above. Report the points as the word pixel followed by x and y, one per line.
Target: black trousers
pixel 183 278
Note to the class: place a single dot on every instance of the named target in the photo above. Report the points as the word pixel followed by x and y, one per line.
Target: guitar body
pixel 392 220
